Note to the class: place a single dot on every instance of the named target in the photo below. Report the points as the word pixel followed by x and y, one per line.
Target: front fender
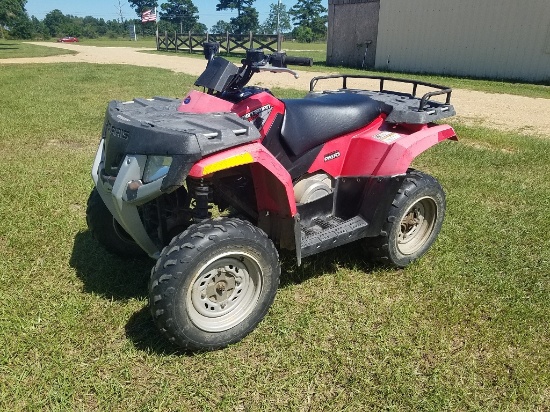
pixel 402 152
pixel 272 182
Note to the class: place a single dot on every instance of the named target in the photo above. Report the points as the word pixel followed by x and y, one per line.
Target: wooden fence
pixel 192 43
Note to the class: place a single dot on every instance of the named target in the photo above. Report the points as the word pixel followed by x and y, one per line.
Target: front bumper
pixel 122 195
pixel 155 127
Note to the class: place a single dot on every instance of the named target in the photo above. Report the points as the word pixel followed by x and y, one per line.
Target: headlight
pixel 156 167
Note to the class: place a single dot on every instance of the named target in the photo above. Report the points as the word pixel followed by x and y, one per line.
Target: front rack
pixel 442 90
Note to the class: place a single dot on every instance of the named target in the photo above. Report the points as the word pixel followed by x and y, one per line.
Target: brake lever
pixel 274 69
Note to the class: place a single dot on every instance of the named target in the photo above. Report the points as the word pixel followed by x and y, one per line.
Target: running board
pixel 328 233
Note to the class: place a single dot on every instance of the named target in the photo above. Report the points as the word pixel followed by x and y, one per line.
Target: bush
pixel 303 34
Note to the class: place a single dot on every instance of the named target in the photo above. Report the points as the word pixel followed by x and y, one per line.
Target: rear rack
pixel 415 83
pixel 401 107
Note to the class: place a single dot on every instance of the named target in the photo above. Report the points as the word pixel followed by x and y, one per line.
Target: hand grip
pixel 299 61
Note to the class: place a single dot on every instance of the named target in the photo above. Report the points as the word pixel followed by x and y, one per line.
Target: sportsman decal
pixel 259 116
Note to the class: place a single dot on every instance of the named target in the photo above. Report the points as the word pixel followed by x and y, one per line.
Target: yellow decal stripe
pixel 232 161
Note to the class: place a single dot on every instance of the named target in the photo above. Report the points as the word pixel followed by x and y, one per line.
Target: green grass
pixel 10 49
pixel 464 328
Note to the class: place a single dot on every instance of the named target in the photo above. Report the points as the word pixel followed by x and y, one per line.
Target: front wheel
pixel 213 284
pixel 413 222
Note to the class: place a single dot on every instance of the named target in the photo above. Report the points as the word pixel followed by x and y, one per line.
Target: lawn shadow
pixel 116 278
pixel 145 336
pixel 112 277
pixel 350 256
pixel 108 275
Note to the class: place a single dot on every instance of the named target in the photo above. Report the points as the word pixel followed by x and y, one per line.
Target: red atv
pixel 306 175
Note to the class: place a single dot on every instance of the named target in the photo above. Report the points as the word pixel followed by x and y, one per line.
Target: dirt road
pixel 529 116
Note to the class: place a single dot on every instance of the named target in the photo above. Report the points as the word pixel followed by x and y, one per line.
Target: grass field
pixel 464 328
pixel 13 49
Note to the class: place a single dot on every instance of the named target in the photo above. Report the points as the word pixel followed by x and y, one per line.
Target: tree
pixel 199 28
pixel 221 27
pixel 310 13
pixel 54 22
pixel 277 12
pixel 101 27
pixel 247 21
pixel 247 16
pixel 240 5
pixel 22 27
pixel 90 31
pixel 182 13
pixel 11 11
pixel 39 29
pixel 141 5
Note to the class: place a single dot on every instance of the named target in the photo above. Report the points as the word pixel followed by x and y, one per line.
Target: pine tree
pixel 182 13
pixel 240 5
pixel 247 16
pixel 309 14
pixel 270 24
pixel 141 5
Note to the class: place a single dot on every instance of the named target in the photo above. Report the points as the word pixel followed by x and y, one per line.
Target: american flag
pixel 149 15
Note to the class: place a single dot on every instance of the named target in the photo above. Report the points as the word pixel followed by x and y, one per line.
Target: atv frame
pixel 306 175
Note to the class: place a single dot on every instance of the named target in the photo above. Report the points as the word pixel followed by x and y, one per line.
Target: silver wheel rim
pixel 416 226
pixel 224 292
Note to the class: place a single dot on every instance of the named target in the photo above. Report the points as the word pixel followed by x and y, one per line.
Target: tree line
pixel 305 21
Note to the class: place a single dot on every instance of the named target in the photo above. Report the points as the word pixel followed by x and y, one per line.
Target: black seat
pixel 310 122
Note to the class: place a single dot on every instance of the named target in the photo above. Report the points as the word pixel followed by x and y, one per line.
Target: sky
pixel 109 9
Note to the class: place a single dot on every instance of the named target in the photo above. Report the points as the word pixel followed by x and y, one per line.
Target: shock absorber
pixel 203 194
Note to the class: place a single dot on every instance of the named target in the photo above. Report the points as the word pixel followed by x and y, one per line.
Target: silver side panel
pixel 124 206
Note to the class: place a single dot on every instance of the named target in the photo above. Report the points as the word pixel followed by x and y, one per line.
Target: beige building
pixel 482 38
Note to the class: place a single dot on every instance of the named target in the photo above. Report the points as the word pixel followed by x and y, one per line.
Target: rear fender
pixel 272 183
pixel 399 155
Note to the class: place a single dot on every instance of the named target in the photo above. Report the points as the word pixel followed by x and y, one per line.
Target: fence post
pixel 279 42
pixel 251 40
pixel 190 43
pixel 207 37
pixel 227 39
pixel 176 40
pixel 166 39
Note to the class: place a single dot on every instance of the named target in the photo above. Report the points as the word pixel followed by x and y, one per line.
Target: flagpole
pixel 279 43
pixel 278 17
pixel 157 28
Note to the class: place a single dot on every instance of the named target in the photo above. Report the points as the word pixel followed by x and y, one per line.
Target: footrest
pixel 331 232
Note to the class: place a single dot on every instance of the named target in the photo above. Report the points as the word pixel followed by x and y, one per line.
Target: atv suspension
pixel 201 191
pixel 166 216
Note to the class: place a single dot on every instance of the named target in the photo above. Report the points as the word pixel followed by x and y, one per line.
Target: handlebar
pixel 299 61
pixel 276 62
pixel 222 76
pixel 279 59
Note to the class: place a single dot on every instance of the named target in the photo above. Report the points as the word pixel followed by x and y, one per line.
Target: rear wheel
pixel 107 231
pixel 413 223
pixel 214 283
